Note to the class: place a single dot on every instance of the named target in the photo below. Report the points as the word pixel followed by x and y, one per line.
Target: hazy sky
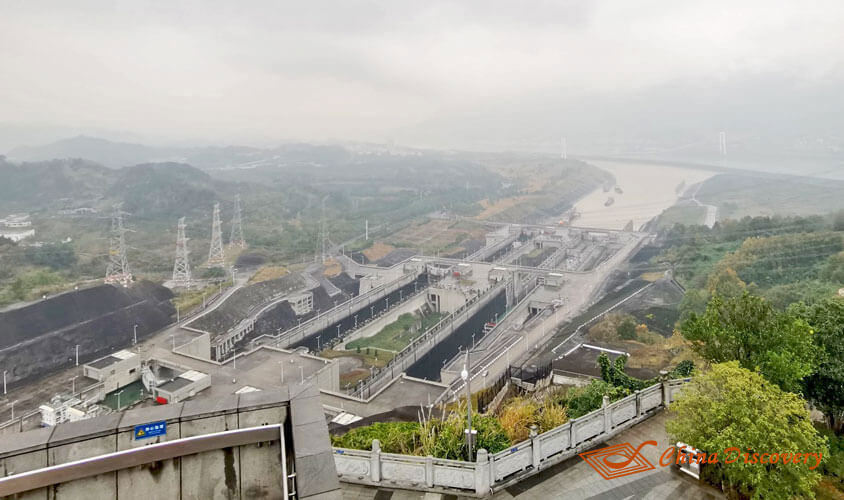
pixel 415 71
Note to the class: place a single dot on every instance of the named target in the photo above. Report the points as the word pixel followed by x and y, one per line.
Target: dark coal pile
pixel 40 338
pixel 244 301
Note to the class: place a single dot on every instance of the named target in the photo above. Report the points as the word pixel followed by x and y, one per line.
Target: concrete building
pixel 115 370
pixel 171 383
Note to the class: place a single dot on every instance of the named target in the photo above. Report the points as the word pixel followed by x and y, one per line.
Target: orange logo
pixel 626 460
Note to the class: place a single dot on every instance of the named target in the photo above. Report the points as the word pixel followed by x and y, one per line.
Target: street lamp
pixel 317 343
pixel 118 399
pixel 135 335
pixel 4 382
pixel 281 364
pixel 77 354
pixel 464 374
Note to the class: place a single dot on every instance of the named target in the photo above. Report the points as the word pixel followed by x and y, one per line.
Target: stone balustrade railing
pixel 492 472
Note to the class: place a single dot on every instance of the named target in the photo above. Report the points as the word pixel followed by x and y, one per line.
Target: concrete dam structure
pixel 40 338
pixel 266 444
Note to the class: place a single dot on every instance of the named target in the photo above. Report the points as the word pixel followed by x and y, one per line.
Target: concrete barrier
pixel 211 449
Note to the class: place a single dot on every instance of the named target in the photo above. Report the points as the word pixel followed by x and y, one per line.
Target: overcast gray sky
pixel 415 71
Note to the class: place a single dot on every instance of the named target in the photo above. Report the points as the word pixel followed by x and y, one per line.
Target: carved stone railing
pixel 493 472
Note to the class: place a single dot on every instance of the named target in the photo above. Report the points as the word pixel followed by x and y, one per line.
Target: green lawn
pixel 681 214
pixel 398 334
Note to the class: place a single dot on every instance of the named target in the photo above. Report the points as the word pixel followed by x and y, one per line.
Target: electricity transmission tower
pixel 181 269
pixel 118 267
pixel 236 239
pixel 216 258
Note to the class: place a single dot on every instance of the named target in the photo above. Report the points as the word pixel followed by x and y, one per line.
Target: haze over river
pixel 647 190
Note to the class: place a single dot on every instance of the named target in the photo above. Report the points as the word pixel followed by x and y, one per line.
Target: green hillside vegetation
pixel 785 259
pixel 739 195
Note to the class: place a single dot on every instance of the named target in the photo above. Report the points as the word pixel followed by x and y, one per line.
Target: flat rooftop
pixel 111 359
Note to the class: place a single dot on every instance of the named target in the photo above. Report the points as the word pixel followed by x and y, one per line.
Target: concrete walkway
pixel 574 479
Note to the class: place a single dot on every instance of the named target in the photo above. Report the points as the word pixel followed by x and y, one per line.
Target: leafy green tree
pixel 53 255
pixel 627 329
pixel 730 407
pixel 825 387
pixel 748 329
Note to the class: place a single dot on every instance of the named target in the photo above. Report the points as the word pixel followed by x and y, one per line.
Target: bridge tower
pixel 181 269
pixel 118 266
pixel 216 257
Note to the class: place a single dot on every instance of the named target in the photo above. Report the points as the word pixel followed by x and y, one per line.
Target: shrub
pixel 582 400
pixel 395 437
pixel 516 418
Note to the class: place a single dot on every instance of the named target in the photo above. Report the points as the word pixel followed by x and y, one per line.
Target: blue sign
pixel 150 430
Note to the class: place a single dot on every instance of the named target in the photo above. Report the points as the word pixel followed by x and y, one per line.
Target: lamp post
pixel 317 343
pixel 464 374
pixel 4 382
pixel 12 404
pixel 118 399
pixel 73 385
pixel 135 335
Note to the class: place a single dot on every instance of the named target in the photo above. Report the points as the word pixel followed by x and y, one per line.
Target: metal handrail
pixel 134 457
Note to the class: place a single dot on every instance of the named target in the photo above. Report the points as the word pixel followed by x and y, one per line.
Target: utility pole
pixel 366 229
pixel 77 354
pixel 181 268
pixel 236 239
pixel 216 257
pixel 118 267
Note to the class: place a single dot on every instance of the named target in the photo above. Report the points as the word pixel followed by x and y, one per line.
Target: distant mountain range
pixel 122 154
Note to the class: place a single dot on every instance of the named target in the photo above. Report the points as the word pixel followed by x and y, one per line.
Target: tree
pixel 627 329
pixel 825 387
pixel 748 329
pixel 731 411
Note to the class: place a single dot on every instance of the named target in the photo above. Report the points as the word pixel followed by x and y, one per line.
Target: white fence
pixel 492 472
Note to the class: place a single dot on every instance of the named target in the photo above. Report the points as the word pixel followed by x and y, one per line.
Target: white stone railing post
pixel 606 408
pixel 482 482
pixel 638 404
pixel 429 471
pixel 535 446
pixel 375 462
pixel 666 395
